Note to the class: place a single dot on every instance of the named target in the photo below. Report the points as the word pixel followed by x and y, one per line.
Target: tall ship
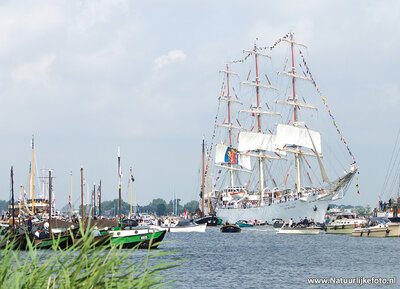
pixel 268 138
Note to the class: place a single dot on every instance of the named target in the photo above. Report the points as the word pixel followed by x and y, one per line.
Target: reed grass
pixel 85 266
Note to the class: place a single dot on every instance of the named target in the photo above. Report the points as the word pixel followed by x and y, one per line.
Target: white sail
pixel 291 135
pixel 250 141
pixel 244 161
pixel 220 151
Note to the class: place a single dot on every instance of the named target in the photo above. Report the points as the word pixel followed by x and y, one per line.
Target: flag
pixel 231 156
pixel 133 179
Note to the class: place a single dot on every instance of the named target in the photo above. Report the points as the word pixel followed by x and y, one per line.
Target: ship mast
pixel 260 160
pixel 130 189
pixel 296 155
pixel 12 199
pixel 71 201
pixel 119 187
pixel 257 111
pixel 50 201
pixel 32 177
pixel 202 180
pixel 229 118
pixel 83 212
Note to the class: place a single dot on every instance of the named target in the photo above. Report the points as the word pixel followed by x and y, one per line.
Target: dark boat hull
pixel 209 220
pixel 230 229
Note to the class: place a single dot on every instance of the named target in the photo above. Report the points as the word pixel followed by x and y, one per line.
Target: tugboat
pixel 228 228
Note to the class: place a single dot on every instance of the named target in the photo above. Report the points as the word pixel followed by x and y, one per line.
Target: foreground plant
pixel 83 265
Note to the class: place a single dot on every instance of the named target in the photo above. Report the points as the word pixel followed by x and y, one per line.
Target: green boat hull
pixel 142 241
pixel 343 229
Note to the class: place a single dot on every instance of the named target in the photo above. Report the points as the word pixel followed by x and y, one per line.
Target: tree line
pixel 156 206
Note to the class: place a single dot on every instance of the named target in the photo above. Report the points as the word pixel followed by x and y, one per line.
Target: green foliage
pixel 112 207
pixel 363 211
pixel 191 206
pixel 157 206
pixel 83 266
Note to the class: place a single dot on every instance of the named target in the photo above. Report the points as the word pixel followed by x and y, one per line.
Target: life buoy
pixel 387 231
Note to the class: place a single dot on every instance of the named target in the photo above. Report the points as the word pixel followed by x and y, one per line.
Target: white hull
pixel 184 229
pixel 299 231
pixel 297 209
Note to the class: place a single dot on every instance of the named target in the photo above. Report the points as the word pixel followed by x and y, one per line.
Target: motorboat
pixel 300 230
pixel 244 224
pixel 344 223
pixel 378 227
pixel 230 229
pixel 184 226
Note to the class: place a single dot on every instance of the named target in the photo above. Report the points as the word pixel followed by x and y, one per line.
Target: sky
pixel 87 77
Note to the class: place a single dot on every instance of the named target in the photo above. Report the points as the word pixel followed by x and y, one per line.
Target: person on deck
pixel 30 224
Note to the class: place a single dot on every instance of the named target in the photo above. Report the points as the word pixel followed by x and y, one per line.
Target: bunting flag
pixel 326 105
pixel 242 59
pixel 275 43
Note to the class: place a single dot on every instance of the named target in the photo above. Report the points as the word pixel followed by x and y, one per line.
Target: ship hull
pixel 297 209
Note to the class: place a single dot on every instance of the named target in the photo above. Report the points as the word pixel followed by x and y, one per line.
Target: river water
pixel 260 258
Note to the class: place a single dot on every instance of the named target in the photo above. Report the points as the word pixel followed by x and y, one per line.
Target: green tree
pixel 191 206
pixel 161 209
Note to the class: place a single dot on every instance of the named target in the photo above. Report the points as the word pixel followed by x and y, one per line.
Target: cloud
pixel 36 73
pixel 171 57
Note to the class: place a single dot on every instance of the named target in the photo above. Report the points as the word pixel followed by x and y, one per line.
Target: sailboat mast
pixel 208 186
pixel 83 212
pixel 100 199
pixel 94 200
pixel 50 201
pixel 202 180
pixel 12 198
pixel 296 155
pixel 72 203
pixel 119 187
pixel 32 176
pixel 21 188
pixel 130 187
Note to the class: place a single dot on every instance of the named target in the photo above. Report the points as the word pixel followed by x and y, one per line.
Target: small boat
pixel 378 227
pixel 230 229
pixel 47 243
pixel 182 226
pixel 277 223
pixel 312 230
pixel 244 224
pixel 344 223
pixel 143 238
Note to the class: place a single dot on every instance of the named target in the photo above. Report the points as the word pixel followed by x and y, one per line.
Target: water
pixel 260 258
